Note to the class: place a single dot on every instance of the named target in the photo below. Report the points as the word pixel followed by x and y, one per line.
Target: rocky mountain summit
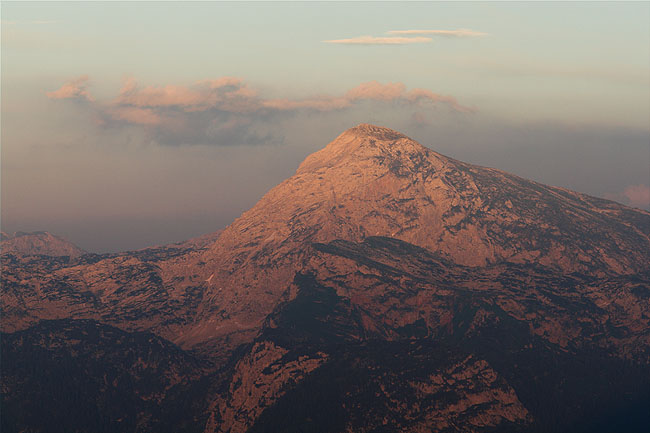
pixel 383 287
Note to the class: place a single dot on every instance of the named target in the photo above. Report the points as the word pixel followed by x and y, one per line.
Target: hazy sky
pixel 131 124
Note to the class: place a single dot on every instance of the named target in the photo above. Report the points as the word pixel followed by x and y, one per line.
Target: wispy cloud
pixel 73 89
pixel 633 195
pixel 458 33
pixel 228 109
pixel 638 195
pixel 404 37
pixel 380 40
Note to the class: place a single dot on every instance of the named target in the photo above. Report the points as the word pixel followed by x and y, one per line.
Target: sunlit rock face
pixel 384 284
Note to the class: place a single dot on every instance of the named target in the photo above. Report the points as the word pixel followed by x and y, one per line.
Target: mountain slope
pixel 546 334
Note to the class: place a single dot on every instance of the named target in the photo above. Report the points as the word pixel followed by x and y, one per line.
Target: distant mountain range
pixel 382 288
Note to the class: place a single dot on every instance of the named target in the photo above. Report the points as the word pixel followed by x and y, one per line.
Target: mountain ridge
pixel 386 277
pixel 373 181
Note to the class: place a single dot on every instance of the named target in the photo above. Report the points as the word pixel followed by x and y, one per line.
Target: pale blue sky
pixel 542 51
pixel 561 92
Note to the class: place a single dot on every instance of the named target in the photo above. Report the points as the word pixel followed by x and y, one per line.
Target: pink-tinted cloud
pixel 381 40
pixel 633 195
pixel 73 89
pixel 228 93
pixel 152 96
pixel 374 90
pixel 232 95
pixel 135 115
pixel 638 195
pixel 377 91
pixel 370 91
pixel 228 109
pixel 323 103
pixel 459 33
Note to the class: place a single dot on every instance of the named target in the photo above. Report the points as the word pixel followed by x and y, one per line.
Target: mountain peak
pixel 364 142
pixel 367 130
pixel 374 181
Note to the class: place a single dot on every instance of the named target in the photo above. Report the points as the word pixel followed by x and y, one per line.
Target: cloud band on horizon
pixel 228 107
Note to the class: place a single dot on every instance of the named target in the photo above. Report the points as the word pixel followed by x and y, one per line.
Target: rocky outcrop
pixel 258 381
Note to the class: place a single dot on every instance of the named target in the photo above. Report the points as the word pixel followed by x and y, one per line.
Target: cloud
pixel 370 91
pixel 73 89
pixel 633 195
pixel 135 115
pixel 227 110
pixel 418 95
pixel 419 119
pixel 228 93
pixel 377 91
pixel 459 33
pixel 381 40
pixel 320 103
pixel 405 37
pixel 232 95
pixel 638 195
